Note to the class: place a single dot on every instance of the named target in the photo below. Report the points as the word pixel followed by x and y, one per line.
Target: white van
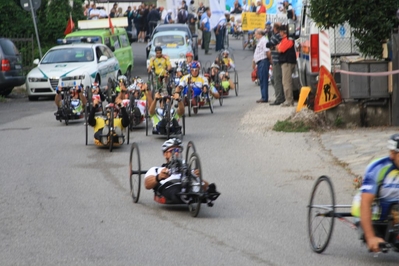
pixel 317 47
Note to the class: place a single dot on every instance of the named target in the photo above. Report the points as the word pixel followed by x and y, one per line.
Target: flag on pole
pixel 70 25
pixel 110 25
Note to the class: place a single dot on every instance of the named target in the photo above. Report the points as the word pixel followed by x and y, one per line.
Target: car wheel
pixel 6 92
pixel 33 98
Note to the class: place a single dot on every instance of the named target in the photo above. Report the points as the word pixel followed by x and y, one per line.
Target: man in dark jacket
pixel 287 59
pixel 153 17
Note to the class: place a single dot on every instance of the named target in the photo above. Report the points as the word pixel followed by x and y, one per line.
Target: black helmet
pixel 393 143
pixel 158 48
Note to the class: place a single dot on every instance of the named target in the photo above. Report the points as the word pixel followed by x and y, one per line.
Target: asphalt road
pixel 64 203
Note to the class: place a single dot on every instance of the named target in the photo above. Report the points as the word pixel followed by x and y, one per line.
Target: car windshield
pixel 169 41
pixel 176 28
pixel 68 55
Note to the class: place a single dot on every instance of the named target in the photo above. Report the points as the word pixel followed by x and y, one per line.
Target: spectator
pixel 237 9
pixel 262 59
pixel 274 40
pixel 182 16
pixel 153 17
pixel 113 12
pixel 289 10
pixel 206 28
pixel 287 59
pixel 261 8
pixel 146 11
pixel 253 7
pixel 245 6
pixel 168 18
pixel 86 11
pixel 219 32
pixel 200 12
pixel 192 21
pixel 119 12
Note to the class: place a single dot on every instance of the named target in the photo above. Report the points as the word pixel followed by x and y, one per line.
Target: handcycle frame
pixel 66 113
pixel 167 115
pixel 224 68
pixel 192 183
pixel 208 98
pixel 327 212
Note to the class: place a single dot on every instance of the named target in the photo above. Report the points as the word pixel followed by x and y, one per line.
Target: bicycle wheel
pixel 321 211
pixel 189 100
pixel 209 99
pixel 110 85
pixel 168 119
pixel 194 164
pixel 127 135
pixel 135 172
pixel 236 86
pixel 146 118
pixel 87 110
pixel 111 129
pixel 190 147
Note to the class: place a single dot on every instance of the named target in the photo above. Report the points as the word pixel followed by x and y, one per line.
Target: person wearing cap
pixel 166 180
pixel 220 30
pixel 78 100
pixel 377 195
pixel 100 123
pixel 168 18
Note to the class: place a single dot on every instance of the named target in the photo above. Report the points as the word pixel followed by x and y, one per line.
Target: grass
pixel 288 126
pixel 3 99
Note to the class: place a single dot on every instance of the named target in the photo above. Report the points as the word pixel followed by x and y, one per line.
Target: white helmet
pixel 171 143
pixel 122 78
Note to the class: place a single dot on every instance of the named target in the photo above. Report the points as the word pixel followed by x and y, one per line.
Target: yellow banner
pixel 251 21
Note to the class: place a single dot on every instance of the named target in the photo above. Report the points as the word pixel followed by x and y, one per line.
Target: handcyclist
pixel 227 61
pixel 161 64
pixel 99 123
pixel 157 114
pixel 167 183
pixel 78 100
pixel 198 83
pixel 379 191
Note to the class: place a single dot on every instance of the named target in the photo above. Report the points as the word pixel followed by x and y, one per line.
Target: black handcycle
pixel 67 111
pixel 190 172
pixel 322 212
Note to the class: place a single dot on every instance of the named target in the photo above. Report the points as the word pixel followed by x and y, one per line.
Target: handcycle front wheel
pixel 111 130
pixel 194 205
pixel 135 172
pixel 321 214
pixel 236 86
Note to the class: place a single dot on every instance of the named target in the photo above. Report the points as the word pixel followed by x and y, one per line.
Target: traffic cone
pixel 302 98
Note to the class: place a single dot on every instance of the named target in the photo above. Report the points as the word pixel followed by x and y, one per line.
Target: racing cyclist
pixel 161 65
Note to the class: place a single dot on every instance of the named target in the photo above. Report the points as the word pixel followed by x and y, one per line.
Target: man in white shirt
pixel 262 59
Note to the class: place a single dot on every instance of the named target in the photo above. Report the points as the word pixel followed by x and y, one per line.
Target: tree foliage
pixel 51 18
pixel 372 21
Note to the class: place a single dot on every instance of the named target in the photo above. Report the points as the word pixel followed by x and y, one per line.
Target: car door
pixel 101 66
pixel 111 65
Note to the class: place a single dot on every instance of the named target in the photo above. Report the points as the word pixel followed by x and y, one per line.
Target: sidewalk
pixel 354 149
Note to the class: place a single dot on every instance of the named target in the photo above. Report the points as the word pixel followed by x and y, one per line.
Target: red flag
pixel 69 26
pixel 110 25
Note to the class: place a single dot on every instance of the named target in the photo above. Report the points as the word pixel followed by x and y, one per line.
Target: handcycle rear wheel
pixel 194 205
pixel 321 212
pixel 111 130
pixel 135 172
pixel 189 100
pixel 209 101
pixel 190 148
pixel 236 86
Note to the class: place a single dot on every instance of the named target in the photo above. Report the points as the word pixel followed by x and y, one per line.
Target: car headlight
pixel 81 77
pixel 37 79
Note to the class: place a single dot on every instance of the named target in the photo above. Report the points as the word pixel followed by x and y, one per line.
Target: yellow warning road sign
pixel 327 95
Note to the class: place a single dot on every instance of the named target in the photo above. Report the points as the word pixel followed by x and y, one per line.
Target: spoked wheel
pixel 209 99
pixel 190 150
pixel 146 118
pixel 236 87
pixel 189 100
pixel 321 212
pixel 111 130
pixel 168 119
pixel 87 110
pixel 184 127
pixel 195 172
pixel 135 172
pixel 110 85
pixel 127 135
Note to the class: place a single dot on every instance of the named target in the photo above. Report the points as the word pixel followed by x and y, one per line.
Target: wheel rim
pixel 320 226
pixel 190 147
pixel 135 172
pixel 196 184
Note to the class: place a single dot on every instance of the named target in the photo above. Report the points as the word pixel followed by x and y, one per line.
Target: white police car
pixel 77 63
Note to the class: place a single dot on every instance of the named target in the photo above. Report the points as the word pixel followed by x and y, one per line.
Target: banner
pixel 251 21
pixel 217 9
pixel 273 7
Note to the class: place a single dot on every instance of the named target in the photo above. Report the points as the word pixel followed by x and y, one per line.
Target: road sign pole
pixel 34 23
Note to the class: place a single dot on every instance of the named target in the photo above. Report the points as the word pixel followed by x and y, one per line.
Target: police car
pixel 76 63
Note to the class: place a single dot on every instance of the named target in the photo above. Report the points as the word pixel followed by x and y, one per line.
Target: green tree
pixel 372 21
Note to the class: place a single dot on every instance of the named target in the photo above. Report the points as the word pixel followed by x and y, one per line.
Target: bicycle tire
pixel 194 205
pixel 236 86
pixel 135 172
pixel 190 146
pixel 189 100
pixel 111 129
pixel 322 214
pixel 167 118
